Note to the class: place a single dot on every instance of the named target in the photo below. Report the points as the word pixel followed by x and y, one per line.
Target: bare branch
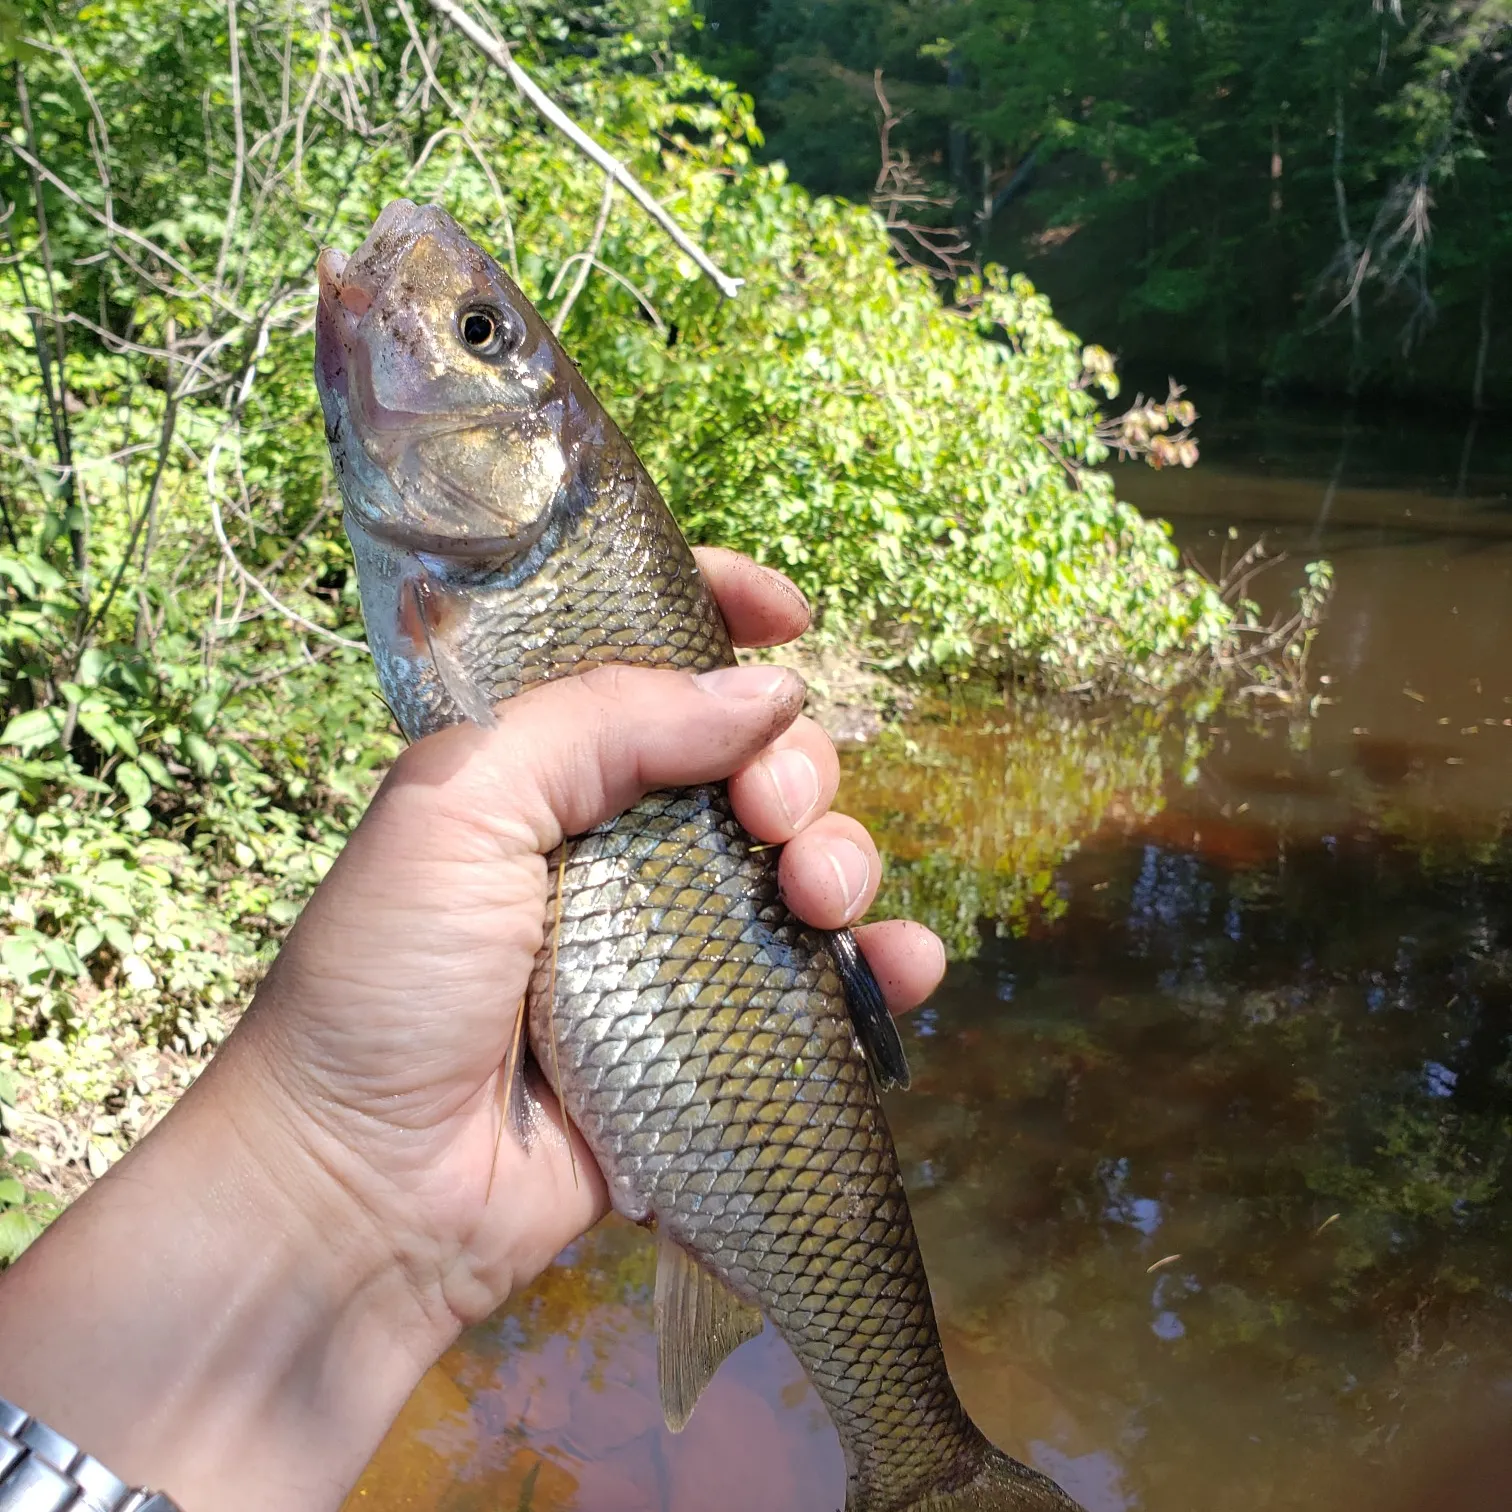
pixel 1360 261
pixel 639 295
pixel 423 53
pixel 499 55
pixel 247 577
pixel 146 518
pixel 585 260
pixel 466 138
pixel 942 251
pixel 99 137
pixel 238 125
pixel 37 465
pixel 57 392
pixel 116 229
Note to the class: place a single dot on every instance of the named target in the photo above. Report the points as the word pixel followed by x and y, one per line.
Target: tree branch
pixel 499 55
pixel 116 229
pixel 74 509
pixel 585 261
pixel 239 167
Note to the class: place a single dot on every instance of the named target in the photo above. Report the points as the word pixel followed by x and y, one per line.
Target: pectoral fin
pixel 699 1323
pixel 469 699
pixel 874 1025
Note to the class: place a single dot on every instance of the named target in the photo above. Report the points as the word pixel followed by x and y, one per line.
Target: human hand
pixel 384 1025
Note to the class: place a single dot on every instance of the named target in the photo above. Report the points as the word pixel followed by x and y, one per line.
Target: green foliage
pixel 23 1210
pixel 1308 191
pixel 914 475
pixel 187 721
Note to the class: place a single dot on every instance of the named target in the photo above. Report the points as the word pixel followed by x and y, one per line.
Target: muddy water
pixel 1210 1134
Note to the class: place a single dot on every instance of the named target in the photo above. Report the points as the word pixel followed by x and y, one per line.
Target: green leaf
pixel 21 956
pixel 17 1230
pixel 200 752
pixel 14 48
pixel 202 711
pixel 12 1193
pixel 109 732
pixel 134 783
pixel 33 730
pixel 117 936
pixel 90 666
pixel 59 954
pixel 17 571
pixel 155 769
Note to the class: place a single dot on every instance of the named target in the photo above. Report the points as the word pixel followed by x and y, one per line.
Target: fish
pixel 722 1060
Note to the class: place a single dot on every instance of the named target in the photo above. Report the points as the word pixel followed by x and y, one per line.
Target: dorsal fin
pixel 874 1025
pixel 699 1323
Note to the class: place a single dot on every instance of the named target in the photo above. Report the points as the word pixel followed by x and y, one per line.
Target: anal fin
pixel 700 1322
pixel 874 1025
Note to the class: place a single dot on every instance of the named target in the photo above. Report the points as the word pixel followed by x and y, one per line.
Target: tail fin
pixel 1002 1485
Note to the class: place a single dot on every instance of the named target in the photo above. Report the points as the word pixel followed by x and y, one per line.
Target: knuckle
pixel 611 683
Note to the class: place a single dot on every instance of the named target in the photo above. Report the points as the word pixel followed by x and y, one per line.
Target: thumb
pixel 571 754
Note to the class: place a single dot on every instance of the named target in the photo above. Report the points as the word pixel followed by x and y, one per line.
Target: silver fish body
pixel 698 1033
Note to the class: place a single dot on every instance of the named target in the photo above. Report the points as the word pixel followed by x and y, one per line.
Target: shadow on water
pixel 1210 1135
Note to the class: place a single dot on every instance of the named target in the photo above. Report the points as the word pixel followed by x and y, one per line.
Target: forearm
pixel 215 1320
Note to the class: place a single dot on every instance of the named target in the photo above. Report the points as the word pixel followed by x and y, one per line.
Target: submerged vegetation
pixel 188 726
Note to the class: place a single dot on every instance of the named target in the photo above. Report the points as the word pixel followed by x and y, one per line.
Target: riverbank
pixel 149 934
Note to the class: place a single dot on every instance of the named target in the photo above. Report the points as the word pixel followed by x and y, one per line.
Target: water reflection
pixel 552 1405
pixel 976 811
pixel 1257 1124
pixel 1211 1128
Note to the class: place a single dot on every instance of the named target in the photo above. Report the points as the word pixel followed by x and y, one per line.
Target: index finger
pixel 760 605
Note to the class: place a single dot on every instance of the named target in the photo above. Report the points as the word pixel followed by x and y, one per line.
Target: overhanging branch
pixel 500 56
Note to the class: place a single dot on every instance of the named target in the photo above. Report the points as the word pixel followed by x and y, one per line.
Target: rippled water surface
pixel 1209 1137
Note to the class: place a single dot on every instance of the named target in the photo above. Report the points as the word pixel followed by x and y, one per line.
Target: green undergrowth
pixel 24 1207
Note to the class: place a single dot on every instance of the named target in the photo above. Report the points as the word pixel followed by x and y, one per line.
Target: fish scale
pixel 614 591
pixel 715 1074
pixel 698 1034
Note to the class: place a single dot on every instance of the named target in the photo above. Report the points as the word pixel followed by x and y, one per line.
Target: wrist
pixel 217 1317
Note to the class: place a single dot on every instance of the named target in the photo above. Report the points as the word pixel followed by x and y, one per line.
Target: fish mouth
pixel 350 284
pixel 355 282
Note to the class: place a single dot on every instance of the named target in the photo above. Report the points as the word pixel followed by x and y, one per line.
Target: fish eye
pixel 487 331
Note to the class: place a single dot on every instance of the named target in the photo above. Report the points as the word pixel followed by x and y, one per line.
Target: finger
pixel 789 785
pixel 571 754
pixel 760 605
pixel 829 873
pixel 907 960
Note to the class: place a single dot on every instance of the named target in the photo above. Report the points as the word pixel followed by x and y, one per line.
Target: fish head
pixel 451 411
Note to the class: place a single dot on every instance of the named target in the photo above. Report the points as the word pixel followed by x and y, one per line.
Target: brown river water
pixel 1210 1139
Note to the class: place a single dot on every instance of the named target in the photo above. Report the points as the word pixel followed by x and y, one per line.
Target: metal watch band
pixel 41 1471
